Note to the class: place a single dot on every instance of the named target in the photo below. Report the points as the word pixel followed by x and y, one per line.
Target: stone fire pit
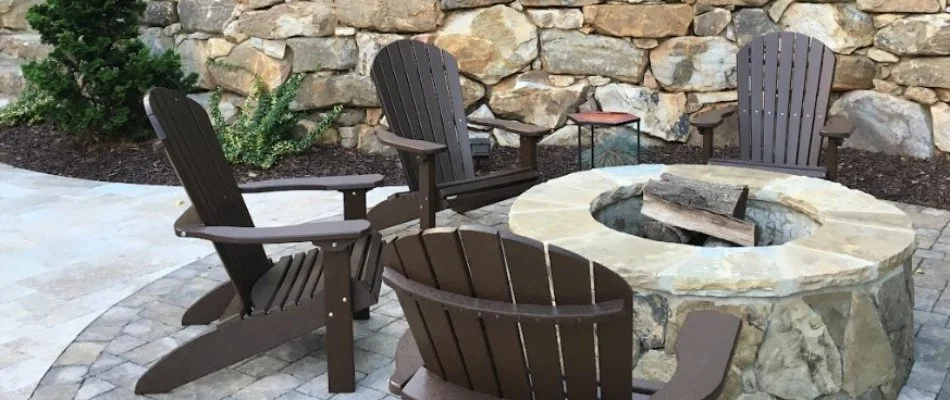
pixel 827 308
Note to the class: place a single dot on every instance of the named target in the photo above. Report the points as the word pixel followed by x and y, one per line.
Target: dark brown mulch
pixel 42 148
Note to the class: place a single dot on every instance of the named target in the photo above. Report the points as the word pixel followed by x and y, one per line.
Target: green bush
pixel 26 110
pixel 98 70
pixel 615 150
pixel 263 131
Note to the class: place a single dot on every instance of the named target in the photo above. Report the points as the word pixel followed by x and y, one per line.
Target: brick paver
pixel 108 357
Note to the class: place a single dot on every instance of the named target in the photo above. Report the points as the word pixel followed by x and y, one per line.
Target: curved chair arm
pixel 713 118
pixel 418 147
pixel 703 353
pixel 347 182
pixel 515 127
pixel 837 127
pixel 190 225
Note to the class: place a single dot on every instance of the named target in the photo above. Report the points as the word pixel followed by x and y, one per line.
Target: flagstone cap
pixel 858 239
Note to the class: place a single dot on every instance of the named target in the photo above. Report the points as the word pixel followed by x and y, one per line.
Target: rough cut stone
pixel 557 19
pixel 472 91
pixel 347 89
pixel 273 48
pixel 153 38
pixel 369 45
pixel 798 357
pixel 390 15
pixel 835 310
pixel 842 27
pixel 646 43
pixel 205 15
pixel 255 4
pixel 702 64
pixel 13 13
pixel 558 3
pixel 160 13
pixel 940 113
pixel 751 23
pixel 921 95
pixel 755 3
pixel 490 43
pixel 655 365
pixel 28 46
pixel 565 136
pixel 456 4
pixel 927 35
pixel 320 54
pixel 195 54
pixel 886 123
pixel 854 72
pixel 882 56
pixel 239 71
pixel 902 6
pixel 648 20
pixel 931 72
pixel 890 88
pixel 943 94
pixel 302 18
pixel 228 105
pixel 712 23
pixel 649 319
pixel 664 114
pixel 536 98
pixel 778 9
pixel 369 144
pixel 574 53
pixel 882 20
pixel 867 358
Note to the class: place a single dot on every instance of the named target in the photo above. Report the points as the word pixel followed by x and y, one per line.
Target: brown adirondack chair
pixel 466 292
pixel 784 84
pixel 276 300
pixel 419 87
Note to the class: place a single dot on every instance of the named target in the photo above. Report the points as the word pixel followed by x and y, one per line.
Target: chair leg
pixel 214 305
pixel 361 315
pixel 408 361
pixel 230 342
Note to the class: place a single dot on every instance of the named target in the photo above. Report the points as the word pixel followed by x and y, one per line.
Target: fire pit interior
pixel 820 274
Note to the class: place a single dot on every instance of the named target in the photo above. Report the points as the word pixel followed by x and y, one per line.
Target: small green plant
pixel 25 110
pixel 263 131
pixel 615 150
pixel 98 70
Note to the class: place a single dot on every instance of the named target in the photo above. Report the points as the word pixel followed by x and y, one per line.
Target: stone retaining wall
pixel 537 60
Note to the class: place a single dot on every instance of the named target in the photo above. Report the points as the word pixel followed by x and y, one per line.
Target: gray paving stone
pixel 100 333
pixel 191 332
pixel 361 393
pixel 397 328
pixel 942 307
pixel 929 318
pixel 911 393
pixel 295 395
pixel 148 330
pixel 308 367
pixel 261 366
pixel 145 354
pixel 931 351
pixel 380 344
pixel 123 375
pixel 118 394
pixel 927 377
pixel 375 322
pixel 118 314
pixel 368 362
pixel 294 350
pixel 104 363
pixel 65 375
pixel 81 353
pixel 379 379
pixel 935 332
pixel 55 392
pixel 930 254
pixel 317 387
pixel 924 298
pixel 123 344
pixel 392 309
pixel 269 387
pixel 218 385
pixel 163 312
pixel 93 387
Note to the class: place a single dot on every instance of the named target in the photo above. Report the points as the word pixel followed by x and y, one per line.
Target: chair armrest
pixel 347 182
pixel 190 225
pixel 515 127
pixel 419 147
pixel 837 127
pixel 703 353
pixel 713 118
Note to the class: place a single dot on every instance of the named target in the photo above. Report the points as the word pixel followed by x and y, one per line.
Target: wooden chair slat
pixel 290 277
pixel 452 273
pixel 310 266
pixel 422 94
pixel 414 258
pixel 615 347
pixel 314 280
pixel 263 292
pixel 821 105
pixel 371 267
pixel 530 284
pixel 745 104
pixel 770 82
pixel 800 60
pixel 787 50
pixel 490 281
pixel 442 103
pixel 389 73
pixel 570 276
pixel 812 81
pixel 756 101
pixel 460 119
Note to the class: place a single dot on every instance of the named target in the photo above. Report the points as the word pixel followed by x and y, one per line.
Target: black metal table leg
pixel 592 166
pixel 639 160
pixel 580 158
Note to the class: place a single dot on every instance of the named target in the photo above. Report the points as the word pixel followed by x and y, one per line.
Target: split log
pixel 716 198
pixel 655 230
pixel 724 227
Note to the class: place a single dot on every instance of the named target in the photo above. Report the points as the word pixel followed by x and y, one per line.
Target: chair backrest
pixel 420 90
pixel 192 146
pixel 552 358
pixel 784 84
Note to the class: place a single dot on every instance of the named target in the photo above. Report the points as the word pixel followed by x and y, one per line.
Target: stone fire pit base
pixel 827 312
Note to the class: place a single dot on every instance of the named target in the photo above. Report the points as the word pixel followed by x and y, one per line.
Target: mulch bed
pixel 41 148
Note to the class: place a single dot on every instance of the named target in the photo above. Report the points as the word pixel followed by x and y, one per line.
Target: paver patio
pixel 109 355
